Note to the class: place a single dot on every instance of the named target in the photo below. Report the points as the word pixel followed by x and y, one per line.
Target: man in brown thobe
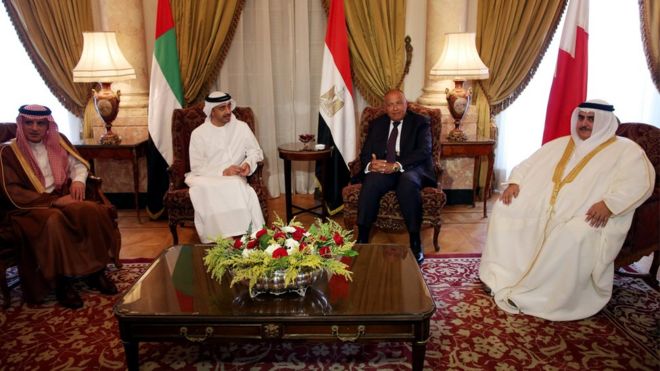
pixel 61 236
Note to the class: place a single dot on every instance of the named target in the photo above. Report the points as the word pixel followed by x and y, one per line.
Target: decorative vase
pixel 275 283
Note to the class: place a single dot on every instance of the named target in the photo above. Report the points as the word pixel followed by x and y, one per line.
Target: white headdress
pixel 217 98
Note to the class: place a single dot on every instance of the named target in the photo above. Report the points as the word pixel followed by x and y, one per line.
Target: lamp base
pixel 457 135
pixel 110 138
pixel 458 102
pixel 107 106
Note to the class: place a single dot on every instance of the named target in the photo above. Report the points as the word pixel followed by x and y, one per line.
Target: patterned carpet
pixel 468 332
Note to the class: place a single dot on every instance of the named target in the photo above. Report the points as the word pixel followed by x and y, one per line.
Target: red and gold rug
pixel 468 332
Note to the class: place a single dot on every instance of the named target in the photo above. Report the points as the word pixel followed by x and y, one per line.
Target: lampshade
pixel 102 60
pixel 459 59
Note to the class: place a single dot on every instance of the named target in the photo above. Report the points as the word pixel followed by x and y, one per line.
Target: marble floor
pixel 463 230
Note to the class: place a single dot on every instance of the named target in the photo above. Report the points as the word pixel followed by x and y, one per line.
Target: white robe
pixel 224 205
pixel 549 262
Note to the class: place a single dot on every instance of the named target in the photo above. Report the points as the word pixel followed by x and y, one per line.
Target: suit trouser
pixel 407 186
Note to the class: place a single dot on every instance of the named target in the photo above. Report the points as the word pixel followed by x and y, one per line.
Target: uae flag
pixel 569 86
pixel 165 94
pixel 336 114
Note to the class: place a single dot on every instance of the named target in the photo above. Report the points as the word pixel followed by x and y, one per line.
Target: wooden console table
pixel 295 152
pixel 475 149
pixel 132 150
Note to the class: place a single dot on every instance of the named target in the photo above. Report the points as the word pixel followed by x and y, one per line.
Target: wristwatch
pixel 396 168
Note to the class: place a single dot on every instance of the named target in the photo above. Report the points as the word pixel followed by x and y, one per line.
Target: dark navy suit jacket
pixel 415 145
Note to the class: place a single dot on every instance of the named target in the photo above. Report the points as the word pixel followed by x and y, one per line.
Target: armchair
pixel 177 198
pixel 10 242
pixel 389 214
pixel 644 236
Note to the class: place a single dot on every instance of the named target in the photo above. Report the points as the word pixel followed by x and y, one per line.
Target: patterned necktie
pixel 391 142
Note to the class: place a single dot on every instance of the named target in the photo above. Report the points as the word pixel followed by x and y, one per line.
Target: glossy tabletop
pixel 386 283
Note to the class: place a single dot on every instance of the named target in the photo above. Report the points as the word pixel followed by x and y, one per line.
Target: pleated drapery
pixel 512 37
pixel 204 32
pixel 376 39
pixel 52 34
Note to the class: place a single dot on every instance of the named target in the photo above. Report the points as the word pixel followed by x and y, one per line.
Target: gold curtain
pixel 649 13
pixel 204 32
pixel 512 37
pixel 376 31
pixel 51 32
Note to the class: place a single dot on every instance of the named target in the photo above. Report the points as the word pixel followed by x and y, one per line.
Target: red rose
pixel 325 252
pixel 278 235
pixel 302 246
pixel 339 240
pixel 279 253
pixel 238 243
pixel 261 232
pixel 298 234
pixel 252 244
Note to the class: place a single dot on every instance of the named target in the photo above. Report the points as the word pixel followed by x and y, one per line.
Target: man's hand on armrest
pixel 77 190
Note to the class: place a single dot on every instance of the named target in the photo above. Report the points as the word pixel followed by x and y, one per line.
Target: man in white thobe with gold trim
pixel 560 223
pixel 223 152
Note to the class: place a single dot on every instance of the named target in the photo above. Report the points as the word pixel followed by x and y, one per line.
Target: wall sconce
pixel 459 61
pixel 103 62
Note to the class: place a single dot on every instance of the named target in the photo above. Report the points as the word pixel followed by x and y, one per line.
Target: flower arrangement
pixel 287 250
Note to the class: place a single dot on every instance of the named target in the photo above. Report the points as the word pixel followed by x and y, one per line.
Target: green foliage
pixel 288 248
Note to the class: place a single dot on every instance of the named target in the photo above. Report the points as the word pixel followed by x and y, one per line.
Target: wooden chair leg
pixel 436 233
pixel 175 236
pixel 652 278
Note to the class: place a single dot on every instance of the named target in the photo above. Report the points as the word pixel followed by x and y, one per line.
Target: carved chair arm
pixel 354 167
pixel 93 191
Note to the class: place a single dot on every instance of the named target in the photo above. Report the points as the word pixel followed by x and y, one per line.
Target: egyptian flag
pixel 569 86
pixel 165 94
pixel 336 115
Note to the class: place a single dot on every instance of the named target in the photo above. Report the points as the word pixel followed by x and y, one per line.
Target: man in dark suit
pixel 396 155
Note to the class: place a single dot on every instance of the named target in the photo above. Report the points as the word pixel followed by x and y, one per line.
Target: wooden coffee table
pixel 176 300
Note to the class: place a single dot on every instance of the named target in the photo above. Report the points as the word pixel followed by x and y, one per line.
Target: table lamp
pixel 459 61
pixel 103 62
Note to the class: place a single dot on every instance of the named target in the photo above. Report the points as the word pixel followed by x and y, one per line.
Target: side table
pixel 132 150
pixel 473 148
pixel 296 152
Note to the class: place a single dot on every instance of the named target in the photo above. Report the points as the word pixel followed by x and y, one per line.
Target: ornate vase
pixel 275 283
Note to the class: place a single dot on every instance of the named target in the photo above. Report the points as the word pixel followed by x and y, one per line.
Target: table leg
pixel 287 187
pixel 418 355
pixel 131 351
pixel 475 180
pixel 324 176
pixel 491 161
pixel 136 185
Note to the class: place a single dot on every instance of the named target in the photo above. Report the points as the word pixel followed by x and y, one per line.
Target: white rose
pixel 271 248
pixel 288 229
pixel 248 252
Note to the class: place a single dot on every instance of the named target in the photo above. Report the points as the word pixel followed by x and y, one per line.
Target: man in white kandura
pixel 223 151
pixel 560 223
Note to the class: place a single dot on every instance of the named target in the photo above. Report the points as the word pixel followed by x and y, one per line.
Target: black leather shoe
pixel 100 282
pixel 419 256
pixel 67 296
pixel 417 249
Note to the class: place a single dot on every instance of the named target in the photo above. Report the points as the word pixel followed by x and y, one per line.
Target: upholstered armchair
pixel 389 214
pixel 644 236
pixel 10 241
pixel 177 198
